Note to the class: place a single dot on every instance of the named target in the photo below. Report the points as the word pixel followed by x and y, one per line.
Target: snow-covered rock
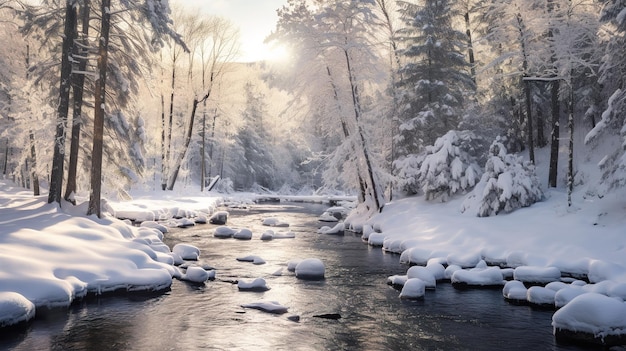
pixel 592 318
pixel 515 291
pixel 565 296
pixel 447 274
pixel 338 229
pixel 367 230
pixel 184 223
pixel 224 232
pixel 267 306
pixel 397 280
pixel 376 239
pixel 219 218
pixel 274 222
pixel 415 256
pixel 393 245
pixel 251 258
pixel 464 260
pixel 186 251
pixel 327 217
pixel 267 235
pixel 424 274
pixel 258 284
pixel 196 274
pixel 480 277
pixel 154 225
pixel 437 269
pixel 243 234
pixel 310 269
pixel 537 275
pixel 539 296
pixel 200 219
pixel 14 309
pixel 292 264
pixel 414 288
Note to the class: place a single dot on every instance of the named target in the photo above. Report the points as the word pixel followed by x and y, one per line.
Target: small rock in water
pixel 294 318
pixel 333 316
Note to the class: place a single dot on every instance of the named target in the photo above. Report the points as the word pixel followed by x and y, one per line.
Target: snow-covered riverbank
pixel 51 256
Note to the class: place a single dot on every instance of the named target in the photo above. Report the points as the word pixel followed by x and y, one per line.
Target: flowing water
pixel 210 316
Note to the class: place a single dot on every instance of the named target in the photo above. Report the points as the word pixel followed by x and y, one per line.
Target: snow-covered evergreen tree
pixel 449 167
pixel 435 73
pixel 613 77
pixel 507 184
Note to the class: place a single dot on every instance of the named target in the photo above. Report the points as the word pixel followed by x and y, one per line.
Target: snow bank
pixel 51 256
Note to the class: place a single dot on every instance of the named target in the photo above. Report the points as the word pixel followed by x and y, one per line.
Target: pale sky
pixel 255 18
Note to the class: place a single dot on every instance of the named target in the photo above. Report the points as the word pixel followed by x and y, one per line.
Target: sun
pixel 278 53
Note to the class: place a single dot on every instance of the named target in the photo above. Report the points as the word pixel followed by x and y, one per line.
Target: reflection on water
pixel 209 317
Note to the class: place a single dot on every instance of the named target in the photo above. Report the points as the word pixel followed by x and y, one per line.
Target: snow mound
pixel 437 269
pixel 251 258
pixel 515 291
pixel 186 251
pixel 424 274
pixel 274 222
pixel 154 225
pixel 478 277
pixel 397 280
pixel 447 274
pixel 267 306
pixel 327 217
pixel 292 264
pixel 257 284
pixel 464 260
pixel 310 269
pixel 536 275
pixel 219 218
pixel 14 309
pixel 196 274
pixel 243 234
pixel 267 235
pixel 338 229
pixel 224 232
pixel 565 296
pixel 591 315
pixel 414 288
pixel 540 296
pixel 376 239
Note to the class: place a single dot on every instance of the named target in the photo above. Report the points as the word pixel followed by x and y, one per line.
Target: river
pixel 210 316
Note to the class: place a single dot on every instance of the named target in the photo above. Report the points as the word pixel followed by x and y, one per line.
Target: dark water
pixel 209 317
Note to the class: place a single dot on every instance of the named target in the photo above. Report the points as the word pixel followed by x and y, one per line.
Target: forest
pixel 379 98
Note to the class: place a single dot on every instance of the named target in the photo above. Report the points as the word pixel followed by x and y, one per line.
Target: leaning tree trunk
pixel 78 83
pixel 377 194
pixel 570 161
pixel 98 120
pixel 56 177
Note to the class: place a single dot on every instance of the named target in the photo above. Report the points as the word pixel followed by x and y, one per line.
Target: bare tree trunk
pixel 56 178
pixel 168 144
pixel 78 83
pixel 570 161
pixel 529 122
pixel 554 135
pixel 98 122
pixel 470 46
pixel 188 135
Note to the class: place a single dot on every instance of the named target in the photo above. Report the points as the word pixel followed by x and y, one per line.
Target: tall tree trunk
pixel 570 161
pixel 470 46
pixel 56 178
pixel 554 135
pixel 179 160
pixel 163 132
pixel 78 83
pixel 33 151
pixel 98 120
pixel 212 144
pixel 168 144
pixel 202 149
